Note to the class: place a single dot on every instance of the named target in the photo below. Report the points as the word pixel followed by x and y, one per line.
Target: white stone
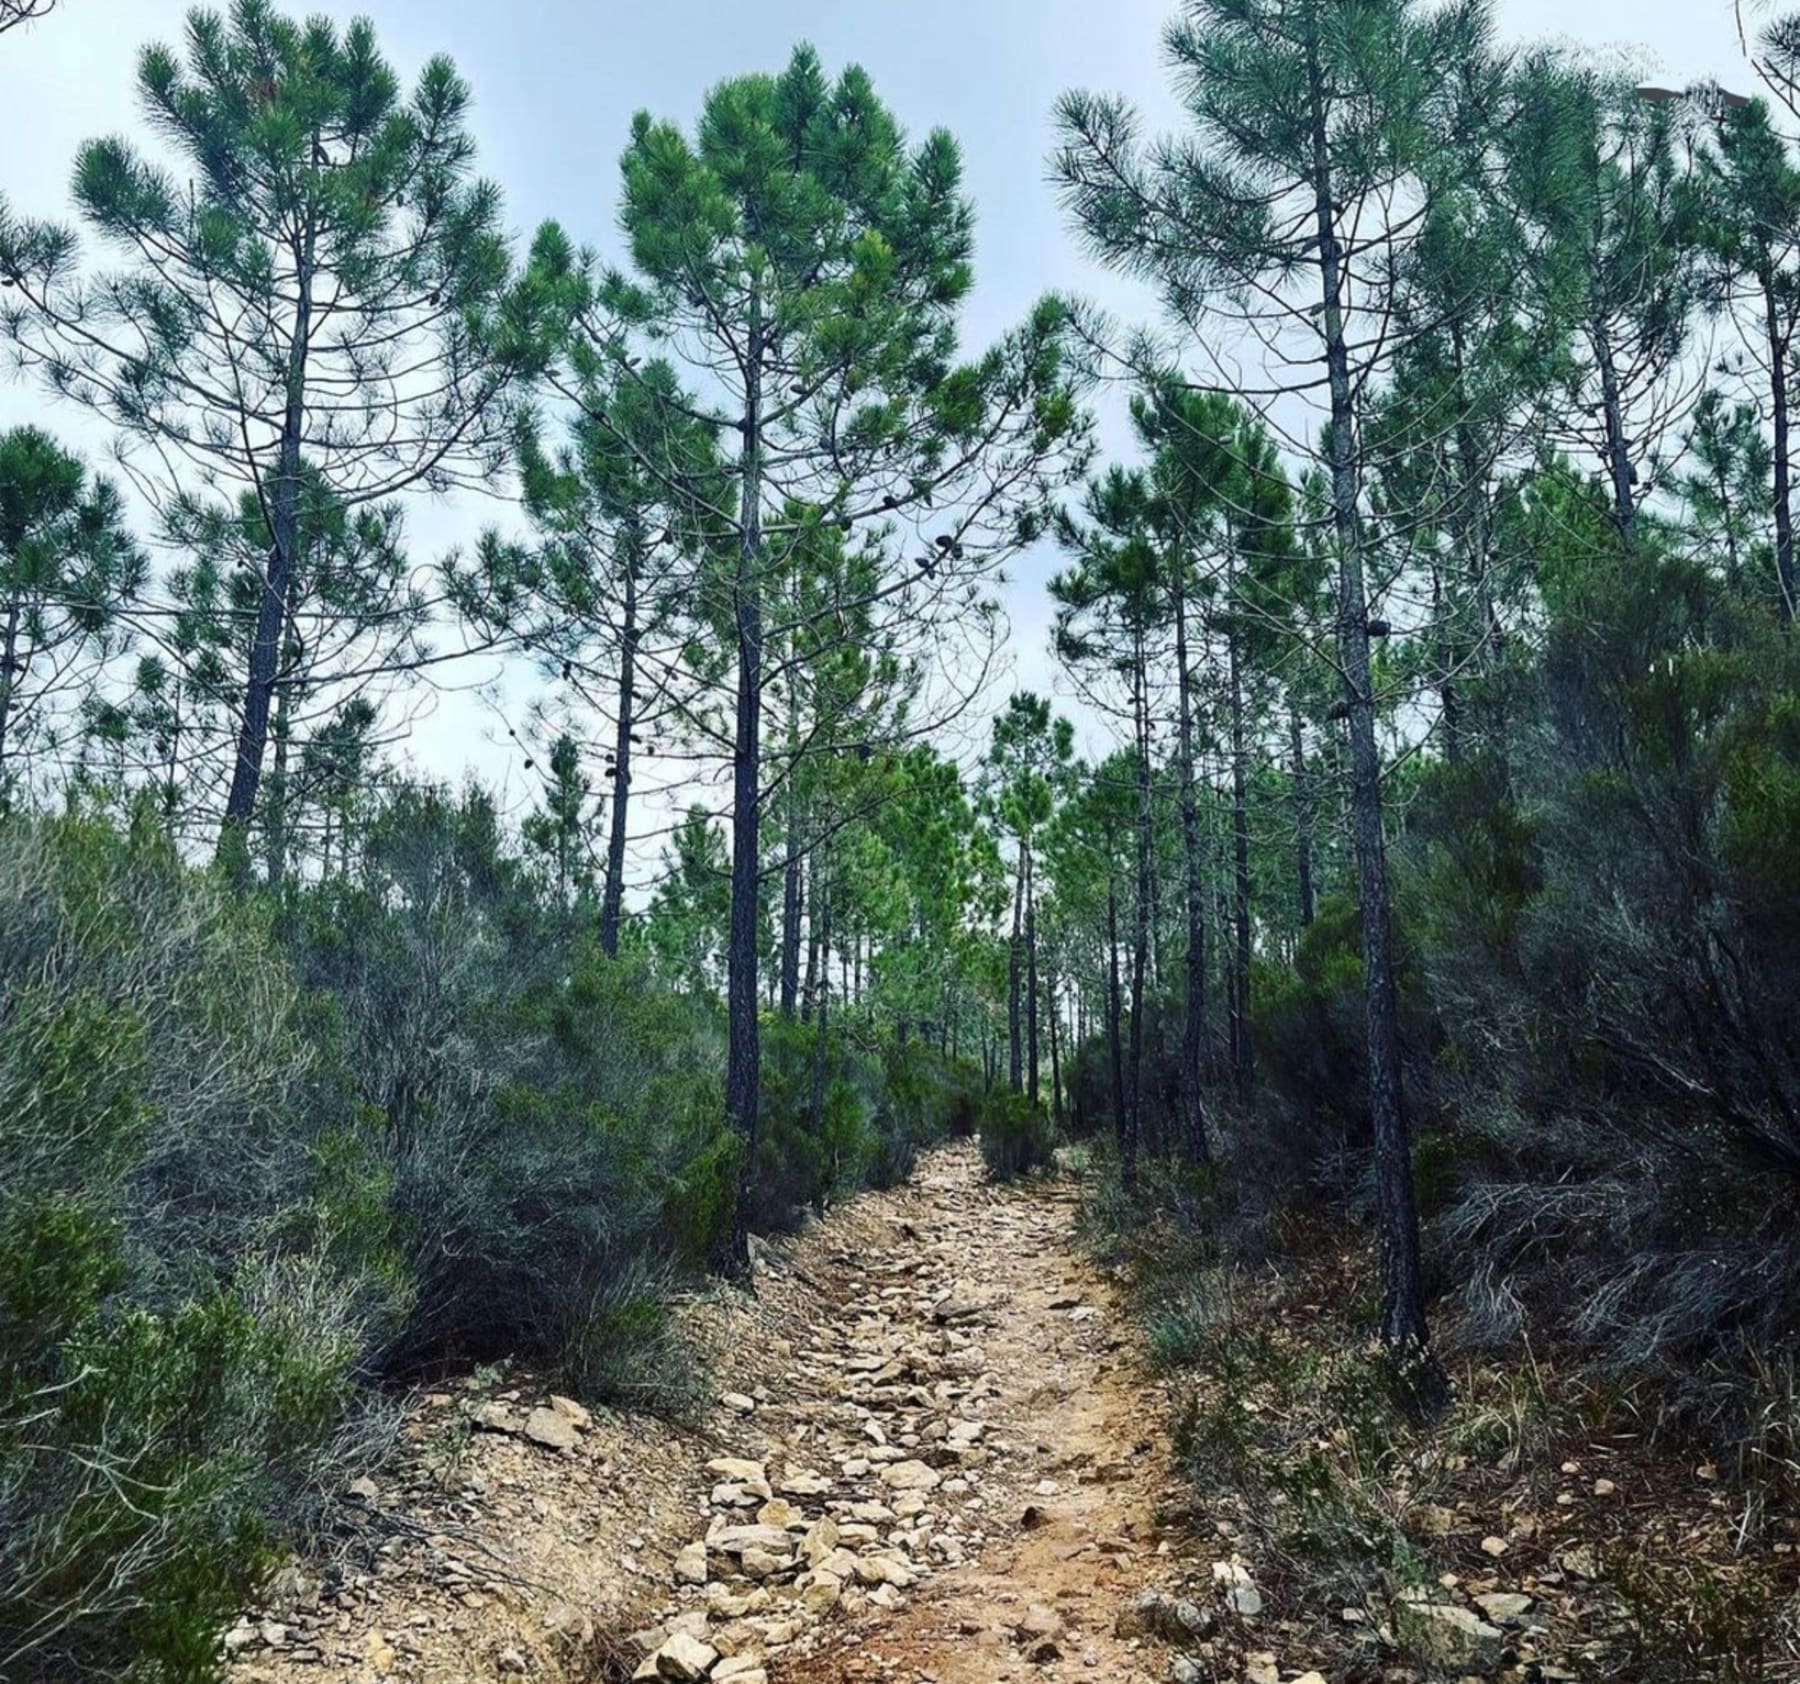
pixel 685 1658
pixel 910 1476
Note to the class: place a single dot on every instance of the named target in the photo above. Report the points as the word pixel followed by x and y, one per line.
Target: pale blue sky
pixel 556 82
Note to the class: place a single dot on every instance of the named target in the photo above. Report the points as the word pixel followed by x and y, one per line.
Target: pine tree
pixel 68 566
pixel 812 263
pixel 604 599
pixel 1750 229
pixel 353 617
pixel 1596 174
pixel 1318 128
pixel 1112 610
pixel 324 297
pixel 558 830
pixel 688 922
pixel 1221 511
pixel 1027 770
pixel 1726 489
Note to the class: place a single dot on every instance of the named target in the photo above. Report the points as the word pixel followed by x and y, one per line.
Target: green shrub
pixel 1308 1030
pixel 258 1152
pixel 1016 1136
pixel 1179 1334
pixel 924 1097
pixel 621 1345
pixel 700 1196
pixel 186 1291
pixel 804 1161
pixel 546 1123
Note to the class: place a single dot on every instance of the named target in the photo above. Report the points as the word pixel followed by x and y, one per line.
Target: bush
pixel 1016 1136
pixel 879 1110
pixel 618 1342
pixel 518 1219
pixel 804 1161
pixel 1605 929
pixel 184 1298
pixel 549 1123
pixel 925 1097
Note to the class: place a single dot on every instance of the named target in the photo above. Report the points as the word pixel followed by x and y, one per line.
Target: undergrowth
pixel 1300 1454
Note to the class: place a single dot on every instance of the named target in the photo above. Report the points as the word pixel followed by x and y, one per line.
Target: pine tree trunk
pixel 1240 842
pixel 171 764
pixel 1056 1087
pixel 265 648
pixel 809 992
pixel 275 837
pixel 822 912
pixel 612 899
pixel 1196 1140
pixel 1449 702
pixel 744 1049
pixel 12 672
pixel 791 911
pixel 1778 396
pixel 1303 818
pixel 1031 982
pixel 1403 1323
pixel 1114 1031
pixel 1015 1056
pixel 791 896
pixel 1140 940
pixel 1617 452
pixel 280 804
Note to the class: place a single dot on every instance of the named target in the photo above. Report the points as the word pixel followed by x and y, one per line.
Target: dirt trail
pixel 934 1458
pixel 1056 1525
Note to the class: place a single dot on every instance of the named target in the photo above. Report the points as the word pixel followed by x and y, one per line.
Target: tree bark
pixel 822 912
pixel 1449 700
pixel 612 898
pixel 284 529
pixel 275 837
pixel 808 993
pixel 1778 397
pixel 743 1032
pixel 1303 818
pixel 791 907
pixel 1114 1029
pixel 1015 1056
pixel 1031 981
pixel 1196 1137
pixel 791 895
pixel 1617 451
pixel 280 808
pixel 12 672
pixel 1240 845
pixel 1140 937
pixel 1403 1324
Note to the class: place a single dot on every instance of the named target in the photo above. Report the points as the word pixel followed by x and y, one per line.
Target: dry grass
pixel 1659 1541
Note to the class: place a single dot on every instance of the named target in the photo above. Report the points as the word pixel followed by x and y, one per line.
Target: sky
pixel 556 83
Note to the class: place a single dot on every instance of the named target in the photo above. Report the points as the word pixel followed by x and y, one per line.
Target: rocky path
pixel 933 1459
pixel 958 1465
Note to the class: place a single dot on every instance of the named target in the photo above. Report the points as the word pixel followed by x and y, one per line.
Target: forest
pixel 1381 943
